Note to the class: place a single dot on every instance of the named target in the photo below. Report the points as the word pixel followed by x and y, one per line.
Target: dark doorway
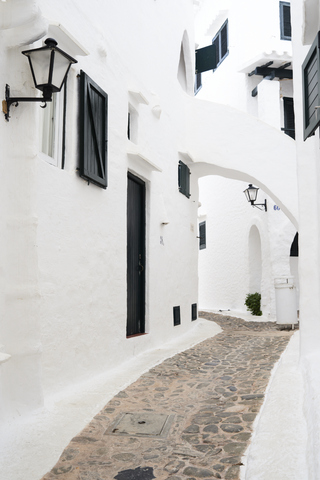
pixel 136 228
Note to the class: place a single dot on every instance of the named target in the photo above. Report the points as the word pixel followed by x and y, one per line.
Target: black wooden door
pixel 136 267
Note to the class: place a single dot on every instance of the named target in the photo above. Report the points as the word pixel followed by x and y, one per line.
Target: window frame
pixel 219 57
pixel 282 5
pixel 54 153
pixel 197 83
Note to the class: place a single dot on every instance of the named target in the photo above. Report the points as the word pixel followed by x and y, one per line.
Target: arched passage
pixel 224 141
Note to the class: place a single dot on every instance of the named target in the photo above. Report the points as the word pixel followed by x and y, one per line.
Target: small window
pixel 202 235
pixel 184 179
pixel 93 131
pixel 194 312
pixel 221 41
pixel 53 129
pixel 294 250
pixel 288 114
pixel 198 83
pixel 132 131
pixel 176 316
pixel 285 21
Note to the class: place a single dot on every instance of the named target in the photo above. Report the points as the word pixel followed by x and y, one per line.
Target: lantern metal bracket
pixel 258 205
pixel 47 97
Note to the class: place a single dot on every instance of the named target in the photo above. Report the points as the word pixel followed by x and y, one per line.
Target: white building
pixel 246 249
pixel 64 237
pixel 64 231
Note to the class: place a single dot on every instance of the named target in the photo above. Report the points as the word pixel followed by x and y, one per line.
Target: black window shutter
pixel 206 59
pixel 93 131
pixel 224 40
pixel 202 235
pixel 288 110
pixel 184 179
pixel 311 92
pixel 286 21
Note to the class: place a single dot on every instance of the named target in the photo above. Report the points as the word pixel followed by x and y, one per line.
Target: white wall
pixel 234 263
pixel 64 265
pixel 305 19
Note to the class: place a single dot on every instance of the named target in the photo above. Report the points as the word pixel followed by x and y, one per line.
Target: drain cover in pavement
pixel 145 473
pixel 141 424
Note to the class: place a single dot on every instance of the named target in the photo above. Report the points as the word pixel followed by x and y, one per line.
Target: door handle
pixel 141 267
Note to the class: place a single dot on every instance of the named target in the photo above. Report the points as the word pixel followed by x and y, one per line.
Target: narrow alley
pixel 189 417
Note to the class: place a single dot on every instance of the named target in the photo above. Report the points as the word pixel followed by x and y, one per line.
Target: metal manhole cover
pixel 141 424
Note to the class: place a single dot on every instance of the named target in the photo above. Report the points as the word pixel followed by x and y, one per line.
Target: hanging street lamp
pixel 49 67
pixel 251 195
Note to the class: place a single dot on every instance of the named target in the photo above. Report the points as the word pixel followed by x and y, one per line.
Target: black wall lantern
pixel 251 195
pixel 49 67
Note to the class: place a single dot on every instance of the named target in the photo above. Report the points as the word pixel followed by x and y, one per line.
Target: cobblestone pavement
pixel 188 418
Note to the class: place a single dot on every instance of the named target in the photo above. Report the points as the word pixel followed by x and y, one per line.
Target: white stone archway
pixel 224 141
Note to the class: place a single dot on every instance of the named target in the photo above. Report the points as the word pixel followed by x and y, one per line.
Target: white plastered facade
pixel 236 262
pixel 63 242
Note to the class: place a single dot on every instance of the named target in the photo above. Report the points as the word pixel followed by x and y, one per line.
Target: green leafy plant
pixel 253 303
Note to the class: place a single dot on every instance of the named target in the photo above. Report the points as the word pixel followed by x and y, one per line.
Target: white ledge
pixel 138 96
pixel 278 59
pixel 66 40
pixel 4 357
pixel 143 161
pixel 186 157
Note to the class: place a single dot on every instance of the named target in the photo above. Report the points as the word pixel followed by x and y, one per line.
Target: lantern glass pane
pixel 60 68
pixel 252 192
pixel 40 61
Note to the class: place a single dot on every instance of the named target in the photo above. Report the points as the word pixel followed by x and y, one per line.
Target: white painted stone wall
pixel 305 19
pixel 64 242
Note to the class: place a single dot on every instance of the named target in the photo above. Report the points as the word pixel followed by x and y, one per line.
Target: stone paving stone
pixel 213 392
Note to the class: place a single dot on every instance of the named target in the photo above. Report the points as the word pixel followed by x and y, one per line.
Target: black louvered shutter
pixel 288 110
pixel 224 40
pixel 206 59
pixel 93 131
pixel 202 235
pixel 184 179
pixel 285 21
pixel 311 93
